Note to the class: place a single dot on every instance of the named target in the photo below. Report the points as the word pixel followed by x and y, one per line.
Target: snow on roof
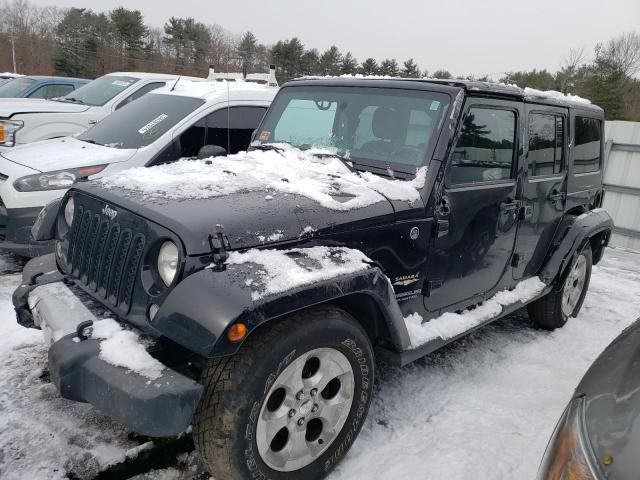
pixel 326 180
pixel 283 270
pixel 208 89
pixel 449 324
pixel 144 75
pixel 10 75
pixel 554 95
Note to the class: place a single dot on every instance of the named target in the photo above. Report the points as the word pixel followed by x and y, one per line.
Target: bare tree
pixel 622 53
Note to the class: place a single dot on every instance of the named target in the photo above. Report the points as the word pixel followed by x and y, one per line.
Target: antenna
pixel 174 85
pixel 228 119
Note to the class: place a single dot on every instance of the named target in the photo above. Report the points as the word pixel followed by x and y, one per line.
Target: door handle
pixel 556 196
pixel 92 122
pixel 509 206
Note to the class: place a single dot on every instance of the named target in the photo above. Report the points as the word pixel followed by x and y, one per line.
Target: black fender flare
pixel 200 310
pixel 571 239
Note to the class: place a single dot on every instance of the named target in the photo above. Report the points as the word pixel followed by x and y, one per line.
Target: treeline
pixel 83 43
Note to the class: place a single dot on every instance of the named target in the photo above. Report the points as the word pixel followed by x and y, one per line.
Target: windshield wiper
pixel 93 142
pixel 266 147
pixel 347 163
pixel 69 100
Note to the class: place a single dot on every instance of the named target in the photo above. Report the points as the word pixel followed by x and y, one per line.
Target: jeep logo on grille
pixel 109 212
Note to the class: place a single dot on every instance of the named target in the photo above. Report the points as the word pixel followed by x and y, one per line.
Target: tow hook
pixel 219 254
pixel 84 330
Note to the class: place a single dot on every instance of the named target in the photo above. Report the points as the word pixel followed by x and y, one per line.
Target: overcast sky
pixel 463 36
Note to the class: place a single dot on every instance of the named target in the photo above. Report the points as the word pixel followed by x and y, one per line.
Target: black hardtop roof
pixel 471 87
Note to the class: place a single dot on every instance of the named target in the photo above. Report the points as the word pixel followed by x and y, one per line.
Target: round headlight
pixel 69 209
pixel 168 262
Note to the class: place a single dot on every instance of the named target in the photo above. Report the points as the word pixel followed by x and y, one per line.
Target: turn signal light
pixel 237 333
pixel 2 139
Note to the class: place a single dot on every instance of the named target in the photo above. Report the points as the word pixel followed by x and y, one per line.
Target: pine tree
pixel 331 62
pixel 410 69
pixel 389 67
pixel 369 67
pixel 247 49
pixel 442 74
pixel 349 64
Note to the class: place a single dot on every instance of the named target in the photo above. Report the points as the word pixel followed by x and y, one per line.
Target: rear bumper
pixel 15 232
pixel 159 407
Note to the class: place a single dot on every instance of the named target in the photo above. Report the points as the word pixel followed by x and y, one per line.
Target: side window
pixel 546 144
pixel 193 139
pixel 149 87
pixel 217 123
pixel 485 148
pixel 242 122
pixel 169 154
pixel 587 150
pixel 52 91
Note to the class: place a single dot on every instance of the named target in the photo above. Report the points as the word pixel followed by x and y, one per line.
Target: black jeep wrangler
pixel 370 218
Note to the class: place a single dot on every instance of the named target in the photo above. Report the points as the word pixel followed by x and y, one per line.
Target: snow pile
pixel 449 325
pixel 283 270
pixel 122 348
pixel 289 171
pixel 532 92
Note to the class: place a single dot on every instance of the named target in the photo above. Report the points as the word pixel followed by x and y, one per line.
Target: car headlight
pixel 8 129
pixel 56 180
pixel 69 210
pixel 569 455
pixel 168 262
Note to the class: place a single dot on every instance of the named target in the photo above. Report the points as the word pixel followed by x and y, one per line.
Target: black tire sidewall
pixel 336 331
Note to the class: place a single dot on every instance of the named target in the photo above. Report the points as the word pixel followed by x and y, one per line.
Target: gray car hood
pixel 612 394
pixel 16 106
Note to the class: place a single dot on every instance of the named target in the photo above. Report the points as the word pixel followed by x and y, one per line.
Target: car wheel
pixel 553 310
pixel 290 403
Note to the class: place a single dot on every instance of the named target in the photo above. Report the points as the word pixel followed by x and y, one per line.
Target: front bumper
pixel 15 232
pixel 159 407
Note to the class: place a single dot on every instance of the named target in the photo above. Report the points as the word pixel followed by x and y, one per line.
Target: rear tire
pixel 290 403
pixel 554 309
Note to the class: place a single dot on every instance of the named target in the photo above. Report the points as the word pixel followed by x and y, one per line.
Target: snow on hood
pixel 12 106
pixel 326 180
pixel 279 271
pixel 67 152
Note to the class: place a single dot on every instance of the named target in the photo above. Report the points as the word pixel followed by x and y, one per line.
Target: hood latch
pixel 219 254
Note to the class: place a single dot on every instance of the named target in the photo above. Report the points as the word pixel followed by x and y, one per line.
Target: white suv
pixel 181 120
pixel 25 120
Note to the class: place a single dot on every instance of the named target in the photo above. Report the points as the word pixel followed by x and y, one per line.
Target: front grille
pixel 104 257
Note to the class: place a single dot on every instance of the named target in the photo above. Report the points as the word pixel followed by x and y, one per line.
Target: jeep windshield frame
pixel 376 128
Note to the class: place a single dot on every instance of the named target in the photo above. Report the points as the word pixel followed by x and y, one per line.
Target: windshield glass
pixel 100 91
pixel 142 122
pixel 14 88
pixel 384 127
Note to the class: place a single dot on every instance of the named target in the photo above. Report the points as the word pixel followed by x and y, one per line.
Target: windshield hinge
pixel 219 254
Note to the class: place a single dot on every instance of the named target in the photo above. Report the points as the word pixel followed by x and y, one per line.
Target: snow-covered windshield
pixel 100 91
pixel 141 123
pixel 381 127
pixel 13 88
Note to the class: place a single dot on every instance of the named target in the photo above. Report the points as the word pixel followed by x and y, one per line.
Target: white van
pixel 170 123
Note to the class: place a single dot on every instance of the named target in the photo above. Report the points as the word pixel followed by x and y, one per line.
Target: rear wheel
pixel 290 403
pixel 553 310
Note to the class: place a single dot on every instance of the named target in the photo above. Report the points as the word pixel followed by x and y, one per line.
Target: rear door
pixel 479 208
pixel 544 187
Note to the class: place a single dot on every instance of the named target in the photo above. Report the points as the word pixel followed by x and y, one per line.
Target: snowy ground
pixel 482 408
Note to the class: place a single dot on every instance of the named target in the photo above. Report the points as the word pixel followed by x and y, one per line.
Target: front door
pixel 544 186
pixel 477 212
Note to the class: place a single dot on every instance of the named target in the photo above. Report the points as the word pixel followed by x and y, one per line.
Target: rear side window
pixel 485 148
pixel 52 91
pixel 546 144
pixel 587 150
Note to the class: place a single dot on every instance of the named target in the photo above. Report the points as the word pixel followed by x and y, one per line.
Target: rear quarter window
pixel 588 140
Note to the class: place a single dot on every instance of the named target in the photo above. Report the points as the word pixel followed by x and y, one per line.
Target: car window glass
pixel 101 90
pixel 587 150
pixel 51 91
pixel 14 88
pixel 485 148
pixel 387 128
pixel 217 123
pixel 140 92
pixel 242 122
pixel 140 124
pixel 193 139
pixel 546 144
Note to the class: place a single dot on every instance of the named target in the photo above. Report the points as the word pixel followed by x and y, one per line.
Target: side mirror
pixel 211 151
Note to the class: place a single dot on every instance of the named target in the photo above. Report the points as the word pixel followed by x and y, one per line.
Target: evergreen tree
pixel 331 62
pixel 349 64
pixel 442 74
pixel 288 57
pixel 130 31
pixel 410 69
pixel 389 68
pixel 369 67
pixel 311 62
pixel 248 49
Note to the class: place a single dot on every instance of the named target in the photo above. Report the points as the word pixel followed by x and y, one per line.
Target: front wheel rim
pixel 305 409
pixel 574 285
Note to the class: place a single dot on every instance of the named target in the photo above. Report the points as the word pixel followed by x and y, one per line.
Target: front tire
pixel 290 403
pixel 554 309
